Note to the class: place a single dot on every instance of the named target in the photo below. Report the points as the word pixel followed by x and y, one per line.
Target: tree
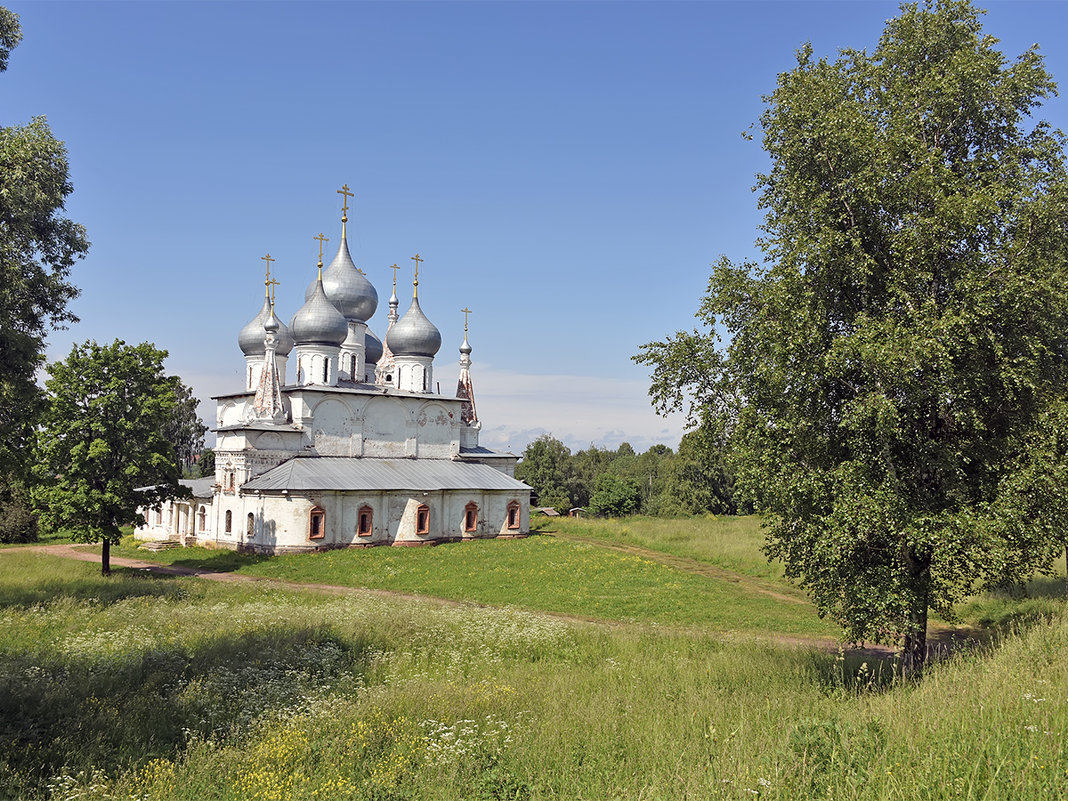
pixel 185 430
pixel 615 496
pixel 38 247
pixel 102 438
pixel 206 464
pixel 546 467
pixel 888 366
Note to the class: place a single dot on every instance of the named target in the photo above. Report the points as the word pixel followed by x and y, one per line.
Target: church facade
pixel 337 438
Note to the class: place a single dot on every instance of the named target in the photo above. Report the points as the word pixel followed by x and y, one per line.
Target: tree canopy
pixel 889 373
pixel 102 450
pixel 38 247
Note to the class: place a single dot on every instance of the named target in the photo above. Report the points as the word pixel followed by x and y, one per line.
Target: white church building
pixel 338 439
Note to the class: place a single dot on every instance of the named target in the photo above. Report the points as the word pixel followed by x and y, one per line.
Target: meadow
pixel 147 687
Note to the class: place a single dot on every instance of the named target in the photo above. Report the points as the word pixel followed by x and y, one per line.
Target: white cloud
pixel 516 408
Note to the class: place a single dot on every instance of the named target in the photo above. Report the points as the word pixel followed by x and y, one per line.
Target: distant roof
pixel 340 473
pixel 478 450
pixel 202 487
pixel 546 510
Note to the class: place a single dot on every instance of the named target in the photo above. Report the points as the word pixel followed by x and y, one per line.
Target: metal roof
pixel 343 473
pixel 202 487
pixel 479 450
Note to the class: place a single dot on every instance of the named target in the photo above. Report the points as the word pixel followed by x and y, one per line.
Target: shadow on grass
pixel 112 707
pixel 126 584
pixel 862 670
pixel 222 561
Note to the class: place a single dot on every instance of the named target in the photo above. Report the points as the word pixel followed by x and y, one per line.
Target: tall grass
pixel 137 687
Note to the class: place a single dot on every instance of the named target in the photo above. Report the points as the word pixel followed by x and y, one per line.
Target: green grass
pixel 544 573
pixel 178 688
pixel 733 543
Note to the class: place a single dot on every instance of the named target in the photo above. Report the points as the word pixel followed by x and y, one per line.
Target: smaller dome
pixel 413 334
pixel 372 348
pixel 284 340
pixel 250 340
pixel 465 349
pixel 317 322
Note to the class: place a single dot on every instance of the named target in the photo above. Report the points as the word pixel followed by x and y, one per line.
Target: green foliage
pixel 10 35
pixel 184 429
pixel 546 467
pixel 206 463
pixel 38 247
pixel 615 496
pixel 888 369
pixel 102 439
pixel 18 522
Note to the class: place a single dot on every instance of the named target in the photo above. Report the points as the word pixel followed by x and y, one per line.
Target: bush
pixel 18 523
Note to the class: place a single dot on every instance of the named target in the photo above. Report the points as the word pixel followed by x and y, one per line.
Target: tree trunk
pixel 105 559
pixel 915 654
pixel 915 651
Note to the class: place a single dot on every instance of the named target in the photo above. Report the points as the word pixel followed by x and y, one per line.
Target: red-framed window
pixel 513 514
pixel 316 524
pixel 365 519
pixel 471 517
pixel 422 520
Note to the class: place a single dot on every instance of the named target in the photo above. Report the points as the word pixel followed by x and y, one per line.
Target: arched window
pixel 250 525
pixel 159 516
pixel 326 371
pixel 229 521
pixel 471 517
pixel 513 514
pixel 231 480
pixel 365 521
pixel 203 519
pixel 316 524
pixel 422 520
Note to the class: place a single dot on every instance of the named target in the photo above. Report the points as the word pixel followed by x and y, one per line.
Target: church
pixel 338 438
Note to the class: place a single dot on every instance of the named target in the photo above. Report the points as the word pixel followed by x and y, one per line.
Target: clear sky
pixel 569 171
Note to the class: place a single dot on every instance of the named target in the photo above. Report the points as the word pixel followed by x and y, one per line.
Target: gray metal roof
pixel 202 487
pixel 479 450
pixel 343 473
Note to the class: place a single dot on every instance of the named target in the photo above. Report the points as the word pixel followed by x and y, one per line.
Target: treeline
pixel 659 482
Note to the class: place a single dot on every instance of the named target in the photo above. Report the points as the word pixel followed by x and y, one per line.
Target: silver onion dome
pixel 413 334
pixel 465 349
pixel 346 287
pixel 372 348
pixel 318 322
pixel 250 340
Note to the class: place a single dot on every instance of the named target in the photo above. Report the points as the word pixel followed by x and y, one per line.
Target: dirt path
pixel 688 565
pixel 943 639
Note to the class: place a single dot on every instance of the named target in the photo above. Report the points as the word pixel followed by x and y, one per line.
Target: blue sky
pixel 569 171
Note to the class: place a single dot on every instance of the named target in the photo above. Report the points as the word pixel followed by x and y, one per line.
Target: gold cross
pixel 394 268
pixel 346 194
pixel 466 312
pixel 271 284
pixel 321 239
pixel 267 281
pixel 416 259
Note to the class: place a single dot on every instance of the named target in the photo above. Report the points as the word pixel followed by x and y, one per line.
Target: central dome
pixel 346 287
pixel 413 334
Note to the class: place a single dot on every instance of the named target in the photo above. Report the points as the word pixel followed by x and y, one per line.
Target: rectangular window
pixel 317 524
pixel 513 515
pixel 365 523
pixel 422 520
pixel 471 517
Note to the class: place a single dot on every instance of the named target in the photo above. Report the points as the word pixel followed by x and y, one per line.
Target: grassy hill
pixel 603 660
